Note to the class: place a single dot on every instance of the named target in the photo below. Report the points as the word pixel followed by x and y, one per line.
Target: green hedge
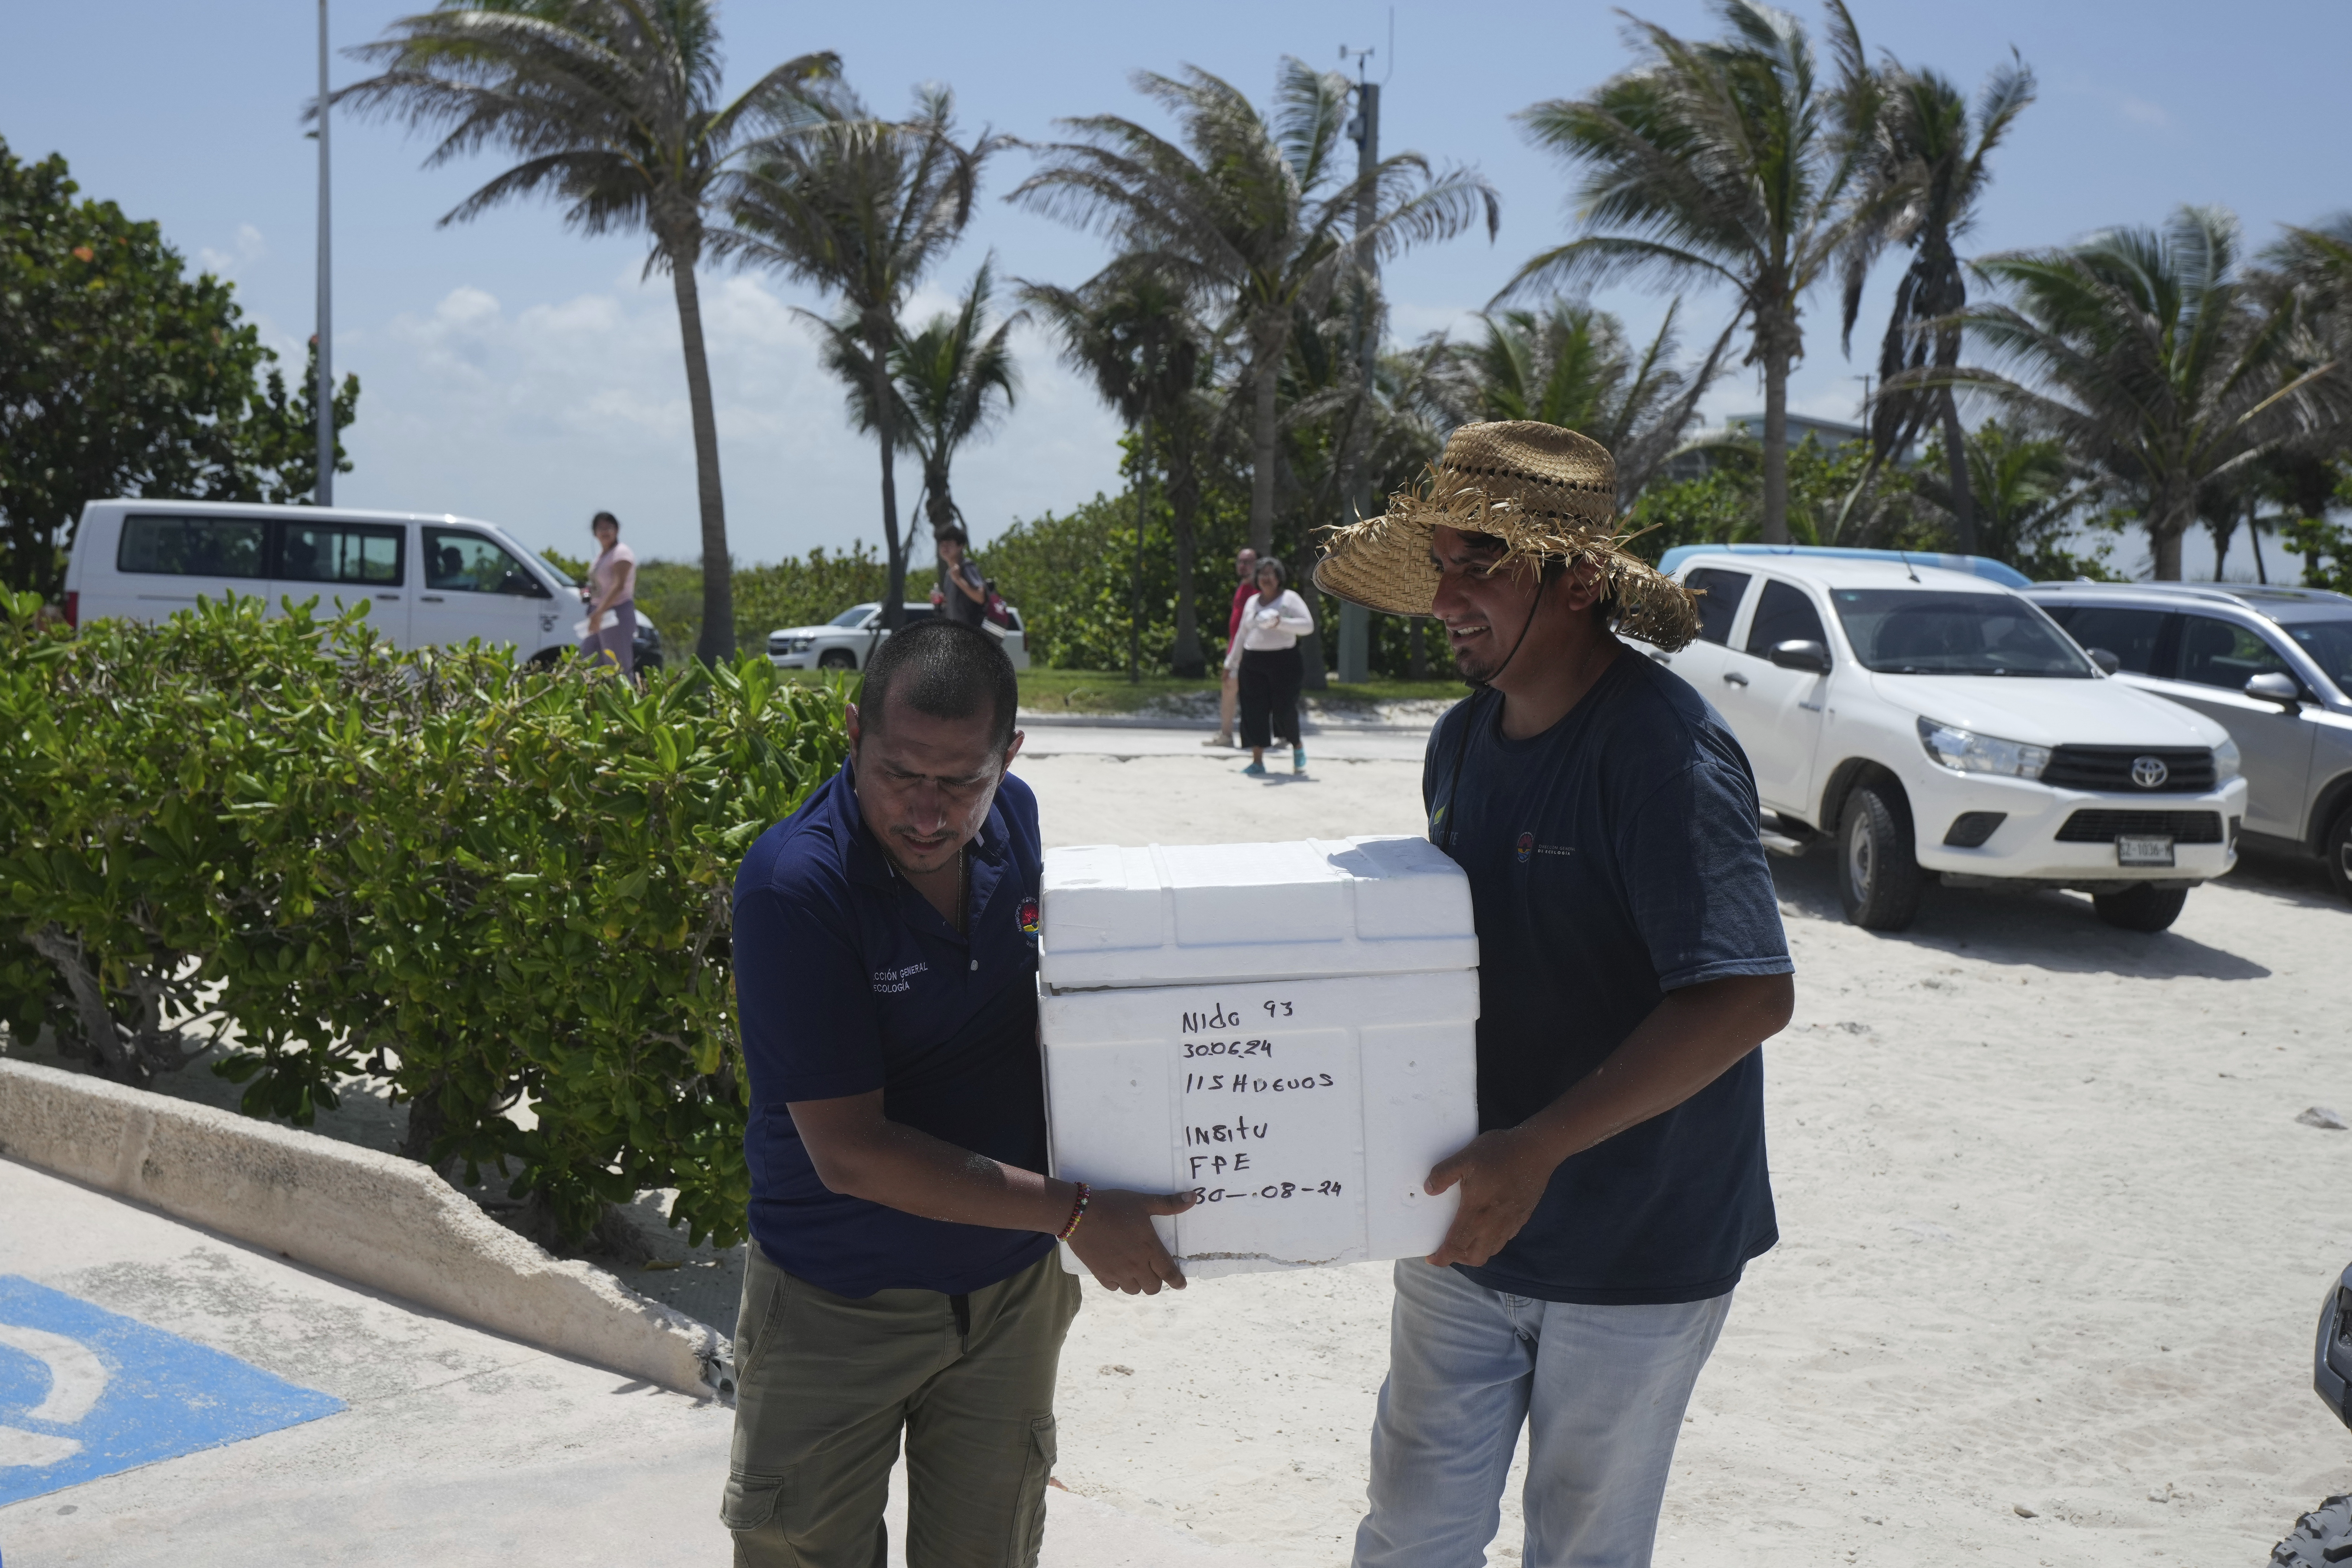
pixel 487 884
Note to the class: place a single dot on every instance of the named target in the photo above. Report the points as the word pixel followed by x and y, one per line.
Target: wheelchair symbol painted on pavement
pixel 86 1393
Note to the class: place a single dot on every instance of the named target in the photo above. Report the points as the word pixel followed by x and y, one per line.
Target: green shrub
pixel 492 885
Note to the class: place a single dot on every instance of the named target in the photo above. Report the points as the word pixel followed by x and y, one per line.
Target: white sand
pixel 2052 1238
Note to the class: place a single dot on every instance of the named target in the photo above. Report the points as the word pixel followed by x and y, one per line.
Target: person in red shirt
pixel 1245 570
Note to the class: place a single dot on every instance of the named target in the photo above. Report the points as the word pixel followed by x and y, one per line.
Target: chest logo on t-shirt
pixel 1527 846
pixel 891 982
pixel 1029 917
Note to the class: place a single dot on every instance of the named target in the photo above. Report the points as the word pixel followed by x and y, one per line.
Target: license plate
pixel 2133 850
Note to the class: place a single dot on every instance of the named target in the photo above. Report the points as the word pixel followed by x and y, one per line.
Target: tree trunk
pixel 938 501
pixel 1262 439
pixel 1956 457
pixel 2167 522
pixel 1776 445
pixel 1135 585
pixel 877 349
pixel 2254 537
pixel 717 641
pixel 1185 660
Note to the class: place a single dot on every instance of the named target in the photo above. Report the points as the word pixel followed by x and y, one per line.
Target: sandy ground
pixel 2054 1241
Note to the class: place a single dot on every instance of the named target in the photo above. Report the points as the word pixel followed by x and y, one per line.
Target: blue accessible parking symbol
pixel 84 1393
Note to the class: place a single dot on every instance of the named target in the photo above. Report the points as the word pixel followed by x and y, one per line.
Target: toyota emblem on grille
pixel 2150 772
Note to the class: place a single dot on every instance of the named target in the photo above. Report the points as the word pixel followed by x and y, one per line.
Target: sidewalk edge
pixel 374 1219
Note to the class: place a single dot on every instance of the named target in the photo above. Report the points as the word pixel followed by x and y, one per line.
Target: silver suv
pixel 2272 664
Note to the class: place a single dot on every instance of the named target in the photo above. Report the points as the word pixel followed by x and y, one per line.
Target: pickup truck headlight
pixel 1965 751
pixel 2227 763
pixel 789 644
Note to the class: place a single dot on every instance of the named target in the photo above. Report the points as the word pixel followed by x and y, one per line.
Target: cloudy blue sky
pixel 515 371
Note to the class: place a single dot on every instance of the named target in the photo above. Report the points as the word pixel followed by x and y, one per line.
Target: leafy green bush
pixel 492 885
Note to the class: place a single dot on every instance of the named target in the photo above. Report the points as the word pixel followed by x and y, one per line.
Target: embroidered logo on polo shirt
pixel 889 981
pixel 1527 847
pixel 1029 917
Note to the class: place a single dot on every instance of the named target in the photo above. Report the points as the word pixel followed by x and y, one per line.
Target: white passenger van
pixel 427 580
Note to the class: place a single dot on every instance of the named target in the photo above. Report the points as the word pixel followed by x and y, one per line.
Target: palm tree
pixel 1250 217
pixel 1132 333
pixel 1927 154
pixel 2155 357
pixel 2028 491
pixel 1730 161
pixel 955 379
pixel 863 208
pixel 614 107
pixel 1568 364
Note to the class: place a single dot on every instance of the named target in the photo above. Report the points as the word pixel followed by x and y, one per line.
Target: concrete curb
pixel 1026 720
pixel 386 1223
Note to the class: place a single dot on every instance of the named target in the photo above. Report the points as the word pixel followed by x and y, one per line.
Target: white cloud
pixel 251 247
pixel 539 416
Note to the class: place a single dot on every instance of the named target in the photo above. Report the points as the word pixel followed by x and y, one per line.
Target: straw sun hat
pixel 1547 494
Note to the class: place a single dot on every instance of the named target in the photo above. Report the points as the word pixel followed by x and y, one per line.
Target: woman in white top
pixel 1266 654
pixel 612 587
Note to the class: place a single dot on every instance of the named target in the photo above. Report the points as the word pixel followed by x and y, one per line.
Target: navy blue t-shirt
pixel 1613 859
pixel 849 981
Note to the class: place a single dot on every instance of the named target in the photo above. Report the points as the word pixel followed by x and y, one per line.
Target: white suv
pixel 1933 722
pixel 848 641
pixel 426 580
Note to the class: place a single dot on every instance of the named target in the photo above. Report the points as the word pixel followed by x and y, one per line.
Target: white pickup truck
pixel 1932 722
pixel 427 579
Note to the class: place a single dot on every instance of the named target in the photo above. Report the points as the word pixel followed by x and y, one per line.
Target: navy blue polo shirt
pixel 847 981
pixel 1611 859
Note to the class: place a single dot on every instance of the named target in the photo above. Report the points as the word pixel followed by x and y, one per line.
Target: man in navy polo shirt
pixel 901 1276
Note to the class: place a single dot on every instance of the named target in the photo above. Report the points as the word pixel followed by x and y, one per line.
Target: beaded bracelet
pixel 1077 1212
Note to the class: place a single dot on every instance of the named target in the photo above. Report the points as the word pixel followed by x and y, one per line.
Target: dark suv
pixel 2272 664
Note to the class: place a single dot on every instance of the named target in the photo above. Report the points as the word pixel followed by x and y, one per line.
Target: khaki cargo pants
pixel 823 1385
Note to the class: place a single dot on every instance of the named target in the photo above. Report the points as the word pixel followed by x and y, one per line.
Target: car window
pixel 2330 644
pixel 855 616
pixel 461 562
pixel 2217 652
pixel 1930 631
pixel 194 547
pixel 1783 615
pixel 915 612
pixel 1718 593
pixel 340 552
pixel 2131 636
pixel 1015 617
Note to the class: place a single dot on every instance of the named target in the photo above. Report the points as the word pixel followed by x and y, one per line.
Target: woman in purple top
pixel 612 589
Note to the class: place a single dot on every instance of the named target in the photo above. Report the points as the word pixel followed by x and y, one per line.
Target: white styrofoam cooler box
pixel 1287 1029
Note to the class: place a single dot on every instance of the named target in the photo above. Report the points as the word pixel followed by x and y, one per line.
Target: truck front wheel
pixel 2338 851
pixel 1878 874
pixel 2140 908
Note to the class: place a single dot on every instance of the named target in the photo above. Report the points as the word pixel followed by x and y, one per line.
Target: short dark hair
pixel 1273 563
pixel 951 532
pixel 605 518
pixel 947 670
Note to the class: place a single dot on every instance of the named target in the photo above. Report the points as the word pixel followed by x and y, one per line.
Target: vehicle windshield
pixel 561 576
pixel 854 616
pixel 2330 644
pixel 1925 631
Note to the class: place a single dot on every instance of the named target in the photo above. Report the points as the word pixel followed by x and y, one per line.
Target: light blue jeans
pixel 1601 1389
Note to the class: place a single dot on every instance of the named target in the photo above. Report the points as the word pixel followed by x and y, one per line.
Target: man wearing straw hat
pixel 1631 961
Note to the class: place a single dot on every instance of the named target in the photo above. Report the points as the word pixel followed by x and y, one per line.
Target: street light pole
pixel 1355 620
pixel 325 391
